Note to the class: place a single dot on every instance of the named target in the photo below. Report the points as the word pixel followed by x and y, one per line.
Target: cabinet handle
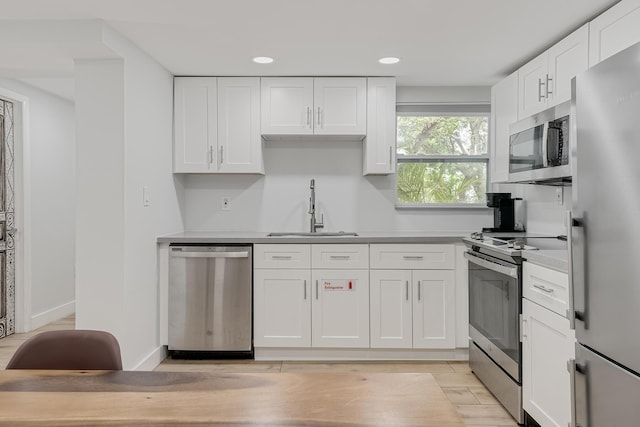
pixel 543 289
pixel 540 84
pixel 305 290
pixel 221 154
pixel 281 257
pixel 549 90
pixel 413 257
pixel 419 289
pixel 210 154
pixel 390 157
pixel 340 257
pixel 319 122
pixel 308 117
pixel 316 289
pixel 406 288
pixel 522 333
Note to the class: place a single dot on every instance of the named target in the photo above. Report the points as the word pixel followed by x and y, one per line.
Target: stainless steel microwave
pixel 539 147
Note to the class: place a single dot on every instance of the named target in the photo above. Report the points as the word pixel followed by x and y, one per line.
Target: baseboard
pixel 51 315
pixel 152 360
pixel 365 354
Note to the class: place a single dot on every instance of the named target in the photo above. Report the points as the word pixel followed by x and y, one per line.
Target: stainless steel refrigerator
pixel 605 243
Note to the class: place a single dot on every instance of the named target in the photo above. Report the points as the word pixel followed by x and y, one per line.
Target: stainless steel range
pixel 495 291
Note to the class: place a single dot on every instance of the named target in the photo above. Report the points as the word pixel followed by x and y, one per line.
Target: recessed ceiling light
pixel 389 60
pixel 263 60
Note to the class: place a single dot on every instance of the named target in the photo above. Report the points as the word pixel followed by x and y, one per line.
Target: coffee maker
pixel 503 212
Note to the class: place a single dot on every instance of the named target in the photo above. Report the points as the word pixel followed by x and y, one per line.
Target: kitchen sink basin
pixel 308 234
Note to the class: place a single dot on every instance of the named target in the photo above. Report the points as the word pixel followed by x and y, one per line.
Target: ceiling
pixel 439 42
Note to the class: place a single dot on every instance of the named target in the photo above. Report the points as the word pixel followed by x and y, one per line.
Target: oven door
pixel 494 310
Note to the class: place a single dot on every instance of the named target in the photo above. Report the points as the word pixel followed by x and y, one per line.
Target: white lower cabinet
pixel 282 308
pixel 297 306
pixel 391 309
pixel 412 309
pixel 434 309
pixel 340 308
pixel 413 296
pixel 547 345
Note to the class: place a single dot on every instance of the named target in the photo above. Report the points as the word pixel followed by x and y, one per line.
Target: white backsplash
pixel 539 210
pixel 279 200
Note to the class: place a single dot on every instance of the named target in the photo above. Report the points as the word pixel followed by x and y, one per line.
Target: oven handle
pixel 509 271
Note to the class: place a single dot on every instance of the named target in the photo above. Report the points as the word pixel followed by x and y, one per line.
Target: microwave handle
pixel 545 144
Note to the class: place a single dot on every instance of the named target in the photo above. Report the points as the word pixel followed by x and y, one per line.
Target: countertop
pixel 226 237
pixel 554 259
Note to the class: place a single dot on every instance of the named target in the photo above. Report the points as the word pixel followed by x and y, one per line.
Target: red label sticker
pixel 337 285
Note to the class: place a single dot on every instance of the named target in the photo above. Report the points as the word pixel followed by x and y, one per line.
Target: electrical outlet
pixel 226 203
pixel 559 192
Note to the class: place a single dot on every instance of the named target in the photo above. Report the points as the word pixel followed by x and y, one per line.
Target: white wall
pixel 279 201
pixel 124 143
pixel 148 160
pixel 49 169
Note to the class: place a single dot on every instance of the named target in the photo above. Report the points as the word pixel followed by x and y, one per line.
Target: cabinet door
pixel 434 309
pixel 567 58
pixel 391 308
pixel 239 140
pixel 380 142
pixel 614 30
pixel 504 111
pixel 282 308
pixel 532 85
pixel 195 120
pixel 340 106
pixel 547 345
pixel 340 308
pixel 287 105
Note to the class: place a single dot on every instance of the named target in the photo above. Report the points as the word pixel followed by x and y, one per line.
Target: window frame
pixel 445 110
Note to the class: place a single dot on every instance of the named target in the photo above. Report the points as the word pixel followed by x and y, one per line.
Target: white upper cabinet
pixel 314 106
pixel 380 142
pixel 545 81
pixel 504 111
pixel 340 106
pixel 614 30
pixel 239 140
pixel 287 105
pixel 217 125
pixel 195 124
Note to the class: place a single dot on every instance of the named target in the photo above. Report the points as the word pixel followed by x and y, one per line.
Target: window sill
pixel 436 206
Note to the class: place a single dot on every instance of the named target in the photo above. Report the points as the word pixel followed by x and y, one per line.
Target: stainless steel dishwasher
pixel 210 294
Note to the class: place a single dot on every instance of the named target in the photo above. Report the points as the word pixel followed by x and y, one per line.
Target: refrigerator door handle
pixel 571 367
pixel 572 313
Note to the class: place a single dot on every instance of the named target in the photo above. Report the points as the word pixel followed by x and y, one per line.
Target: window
pixel 442 155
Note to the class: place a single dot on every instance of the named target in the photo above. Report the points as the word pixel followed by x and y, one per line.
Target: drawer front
pixel 413 257
pixel 549 288
pixel 282 256
pixel 340 256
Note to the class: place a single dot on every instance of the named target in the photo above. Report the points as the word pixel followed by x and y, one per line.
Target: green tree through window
pixel 442 159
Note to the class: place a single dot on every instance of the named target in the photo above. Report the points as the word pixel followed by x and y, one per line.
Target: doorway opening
pixel 7 220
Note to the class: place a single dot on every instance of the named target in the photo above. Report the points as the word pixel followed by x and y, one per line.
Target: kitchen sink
pixel 308 234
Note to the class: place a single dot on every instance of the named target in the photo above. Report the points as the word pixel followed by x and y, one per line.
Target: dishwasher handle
pixel 186 253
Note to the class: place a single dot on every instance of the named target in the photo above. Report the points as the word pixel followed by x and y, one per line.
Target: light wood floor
pixel 475 405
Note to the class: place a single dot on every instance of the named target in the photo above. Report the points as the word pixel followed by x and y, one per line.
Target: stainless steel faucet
pixel 312 209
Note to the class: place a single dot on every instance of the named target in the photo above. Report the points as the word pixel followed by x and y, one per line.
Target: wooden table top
pixel 56 398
